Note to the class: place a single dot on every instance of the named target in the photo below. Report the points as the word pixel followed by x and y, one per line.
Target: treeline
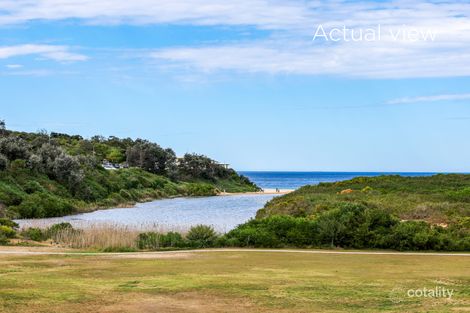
pixel 46 152
pixel 46 175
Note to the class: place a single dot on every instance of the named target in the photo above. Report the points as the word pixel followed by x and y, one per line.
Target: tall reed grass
pixel 108 237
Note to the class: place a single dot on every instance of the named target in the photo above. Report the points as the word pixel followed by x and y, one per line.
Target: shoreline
pixel 25 222
pixel 267 191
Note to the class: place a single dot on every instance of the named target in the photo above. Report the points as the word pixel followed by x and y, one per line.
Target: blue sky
pixel 245 82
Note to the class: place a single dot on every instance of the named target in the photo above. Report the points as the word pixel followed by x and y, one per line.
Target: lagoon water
pixel 224 212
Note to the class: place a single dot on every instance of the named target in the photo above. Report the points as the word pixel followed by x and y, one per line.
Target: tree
pixel 330 227
pixel 53 161
pixel 3 127
pixel 14 148
pixel 195 166
pixel 115 155
pixel 150 157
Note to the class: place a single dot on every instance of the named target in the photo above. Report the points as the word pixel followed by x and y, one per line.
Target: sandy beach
pixel 263 192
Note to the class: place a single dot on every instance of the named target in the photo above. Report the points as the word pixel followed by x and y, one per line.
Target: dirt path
pixel 188 253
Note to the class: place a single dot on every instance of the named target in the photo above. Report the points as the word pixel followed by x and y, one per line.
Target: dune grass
pixel 438 199
pixel 231 282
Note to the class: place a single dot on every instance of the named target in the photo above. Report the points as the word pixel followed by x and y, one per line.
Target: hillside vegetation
pixel 387 212
pixel 47 175
pixel 436 199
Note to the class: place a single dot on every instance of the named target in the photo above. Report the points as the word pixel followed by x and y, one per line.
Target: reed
pixel 107 237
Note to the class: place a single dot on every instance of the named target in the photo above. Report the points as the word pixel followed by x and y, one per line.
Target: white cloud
pixel 261 13
pixel 366 60
pixel 291 23
pixel 13 66
pixel 435 98
pixel 52 52
pixel 290 50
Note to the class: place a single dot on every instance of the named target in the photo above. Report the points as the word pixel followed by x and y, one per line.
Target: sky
pixel 262 84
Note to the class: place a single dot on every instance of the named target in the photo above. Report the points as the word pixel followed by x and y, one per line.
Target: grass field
pixel 231 282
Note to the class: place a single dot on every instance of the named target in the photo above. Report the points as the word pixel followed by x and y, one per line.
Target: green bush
pixel 462 195
pixel 35 234
pixel 415 235
pixel 253 237
pixel 201 236
pixel 200 189
pixel 275 231
pixel 10 194
pixel 7 232
pixel 57 228
pixel 149 240
pixel 125 194
pixel 349 225
pixel 159 183
pixel 173 240
pixel 8 222
pixel 41 204
pixel 32 187
pixel 155 241
pixel 3 240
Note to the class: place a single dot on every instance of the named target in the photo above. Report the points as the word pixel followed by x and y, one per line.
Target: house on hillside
pixel 113 166
pixel 224 165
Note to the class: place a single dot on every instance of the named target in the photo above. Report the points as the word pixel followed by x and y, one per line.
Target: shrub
pixel 149 240
pixel 10 194
pixel 462 195
pixel 41 204
pixel 353 225
pixel 334 226
pixel 7 232
pixel 35 234
pixel 414 235
pixel 32 187
pixel 126 194
pixel 155 241
pixel 57 228
pixel 3 240
pixel 275 231
pixel 90 190
pixel 253 237
pixel 172 240
pixel 201 236
pixel 14 148
pixel 159 183
pixel 8 222
pixel 349 225
pixel 200 189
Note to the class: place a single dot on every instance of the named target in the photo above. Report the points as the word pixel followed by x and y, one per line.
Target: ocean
pixel 294 180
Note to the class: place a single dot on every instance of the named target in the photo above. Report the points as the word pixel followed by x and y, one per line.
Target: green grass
pixel 231 282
